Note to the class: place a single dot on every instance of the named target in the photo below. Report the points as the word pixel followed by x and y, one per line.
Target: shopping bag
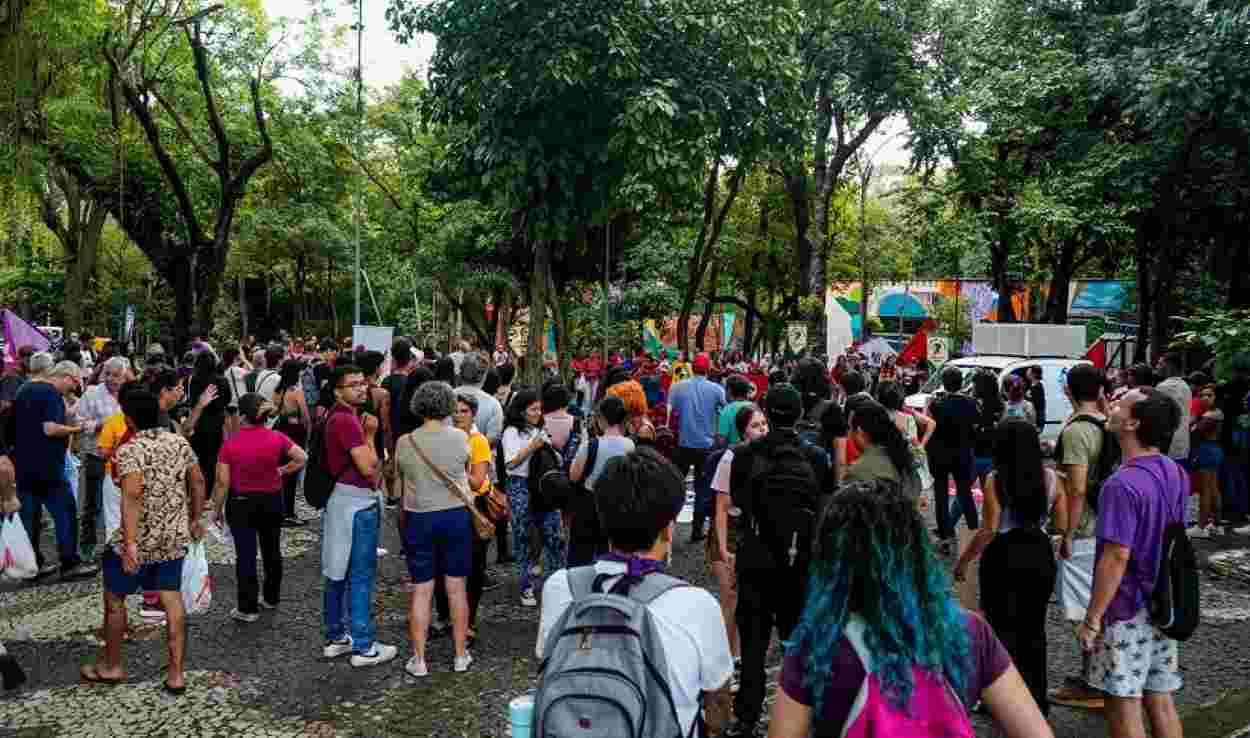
pixel 112 507
pixel 17 556
pixel 197 585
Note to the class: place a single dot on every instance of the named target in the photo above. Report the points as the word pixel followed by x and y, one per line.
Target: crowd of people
pixel 810 487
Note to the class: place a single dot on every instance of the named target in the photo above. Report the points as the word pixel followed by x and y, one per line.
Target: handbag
pixel 484 526
pixel 495 503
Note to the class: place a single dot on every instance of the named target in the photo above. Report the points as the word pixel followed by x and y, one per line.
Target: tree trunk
pixel 1144 295
pixel 1002 281
pixel 1164 280
pixel 539 278
pixel 1239 277
pixel 1060 285
pixel 242 287
pixel 748 328
pixel 709 308
pixel 557 316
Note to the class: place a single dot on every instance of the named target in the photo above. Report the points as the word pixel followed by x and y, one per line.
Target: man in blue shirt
pixel 40 443
pixel 697 401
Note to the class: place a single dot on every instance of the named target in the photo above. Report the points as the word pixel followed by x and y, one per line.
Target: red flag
pixel 916 350
pixel 1098 354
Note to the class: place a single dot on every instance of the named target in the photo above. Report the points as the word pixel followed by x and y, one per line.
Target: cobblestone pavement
pixel 268 678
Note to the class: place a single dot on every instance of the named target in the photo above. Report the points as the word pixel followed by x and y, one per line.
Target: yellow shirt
pixel 111 434
pixel 479 451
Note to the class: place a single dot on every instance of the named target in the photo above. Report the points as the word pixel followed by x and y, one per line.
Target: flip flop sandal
pixel 91 675
pixel 173 691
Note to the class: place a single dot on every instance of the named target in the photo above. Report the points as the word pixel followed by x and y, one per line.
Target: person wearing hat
pixel 697 402
pixel 250 469
pixel 767 478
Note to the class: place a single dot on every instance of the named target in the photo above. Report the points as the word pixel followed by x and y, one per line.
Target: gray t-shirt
pixel 609 447
pixel 1178 390
pixel 424 490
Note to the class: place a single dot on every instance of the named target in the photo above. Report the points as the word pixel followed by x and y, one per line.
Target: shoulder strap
pixel 581 581
pixel 1180 518
pixel 654 585
pixel 592 456
pixel 456 489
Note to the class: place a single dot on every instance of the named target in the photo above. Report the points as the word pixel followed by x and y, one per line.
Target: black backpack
pixel 782 507
pixel 318 481
pixel 1108 458
pixel 549 487
pixel 1175 607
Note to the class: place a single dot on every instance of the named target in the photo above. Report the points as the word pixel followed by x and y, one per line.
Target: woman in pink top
pixel 251 466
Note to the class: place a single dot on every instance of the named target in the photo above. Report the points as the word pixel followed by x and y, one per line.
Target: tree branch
pixel 200 55
pixel 266 150
pixel 364 167
pixel 182 128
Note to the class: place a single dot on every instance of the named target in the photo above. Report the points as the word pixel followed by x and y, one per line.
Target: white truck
pixel 1029 340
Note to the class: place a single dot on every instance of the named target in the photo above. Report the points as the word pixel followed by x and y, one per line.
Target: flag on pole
pixel 1098 354
pixel 19 333
pixel 916 350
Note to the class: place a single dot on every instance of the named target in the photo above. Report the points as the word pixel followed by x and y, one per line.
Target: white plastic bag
pixel 71 474
pixel 112 507
pixel 17 556
pixel 197 585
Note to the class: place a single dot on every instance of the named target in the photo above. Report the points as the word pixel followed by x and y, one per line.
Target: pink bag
pixel 935 710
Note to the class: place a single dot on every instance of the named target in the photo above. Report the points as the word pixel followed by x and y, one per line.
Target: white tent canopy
pixel 877 349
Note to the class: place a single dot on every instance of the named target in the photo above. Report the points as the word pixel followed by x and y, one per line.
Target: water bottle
pixel 521 715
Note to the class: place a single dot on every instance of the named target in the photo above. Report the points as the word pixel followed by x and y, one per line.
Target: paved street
pixel 268 678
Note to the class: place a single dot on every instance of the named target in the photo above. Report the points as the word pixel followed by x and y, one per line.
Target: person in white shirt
pixel 639 495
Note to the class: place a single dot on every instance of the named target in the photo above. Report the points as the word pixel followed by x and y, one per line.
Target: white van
pixel 1054 380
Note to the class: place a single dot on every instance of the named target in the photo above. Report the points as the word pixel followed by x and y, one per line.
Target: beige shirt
pixel 162 460
pixel 423 489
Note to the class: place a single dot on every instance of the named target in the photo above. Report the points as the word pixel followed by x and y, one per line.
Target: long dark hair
pixel 289 375
pixel 875 420
pixel 1019 479
pixel 514 417
pixel 985 389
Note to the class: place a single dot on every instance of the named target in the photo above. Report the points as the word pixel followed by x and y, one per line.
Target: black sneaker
pixel 81 570
pixel 10 673
pixel 490 583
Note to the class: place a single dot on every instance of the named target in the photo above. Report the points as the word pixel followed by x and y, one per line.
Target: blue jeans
pixel 357 588
pixel 56 497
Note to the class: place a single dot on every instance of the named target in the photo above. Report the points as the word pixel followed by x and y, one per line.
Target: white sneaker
pixel 536 570
pixel 1243 530
pixel 1214 530
pixel 462 664
pixel 379 654
pixel 1197 532
pixel 244 617
pixel 416 668
pixel 528 599
pixel 334 649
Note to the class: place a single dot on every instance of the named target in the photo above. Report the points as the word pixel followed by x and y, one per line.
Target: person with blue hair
pixel 877 588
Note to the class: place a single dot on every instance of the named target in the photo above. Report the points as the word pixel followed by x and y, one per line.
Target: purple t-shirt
pixel 1135 505
pixel 987 655
pixel 344 432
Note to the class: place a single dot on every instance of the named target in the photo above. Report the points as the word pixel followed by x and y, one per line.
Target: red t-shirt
pixel 344 432
pixel 253 456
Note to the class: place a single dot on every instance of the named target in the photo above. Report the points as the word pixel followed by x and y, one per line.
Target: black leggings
pixel 1017 578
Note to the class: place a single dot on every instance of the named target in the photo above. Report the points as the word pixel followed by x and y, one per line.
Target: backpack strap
pixel 582 581
pixel 653 585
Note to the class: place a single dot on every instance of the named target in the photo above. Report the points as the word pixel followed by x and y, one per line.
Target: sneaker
pixel 490 583
pixel 1214 530
pixel 244 617
pixel 293 522
pixel 415 668
pixel 47 570
pixel 81 570
pixel 536 570
pixel 266 605
pixel 528 599
pixel 739 729
pixel 1078 696
pixel 152 612
pixel 379 654
pixel 334 649
pixel 1197 532
pixel 1243 530
pixel 462 664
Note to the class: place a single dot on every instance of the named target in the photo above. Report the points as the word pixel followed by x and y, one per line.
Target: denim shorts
pixel 438 543
pixel 158 576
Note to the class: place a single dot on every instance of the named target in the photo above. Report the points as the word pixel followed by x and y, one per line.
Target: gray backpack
pixel 605 673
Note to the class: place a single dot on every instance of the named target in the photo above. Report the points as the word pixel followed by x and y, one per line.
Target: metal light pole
pixel 360 116
pixel 607 285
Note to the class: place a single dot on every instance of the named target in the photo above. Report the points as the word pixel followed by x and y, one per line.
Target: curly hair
pixel 632 394
pixel 874 560
pixel 434 401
